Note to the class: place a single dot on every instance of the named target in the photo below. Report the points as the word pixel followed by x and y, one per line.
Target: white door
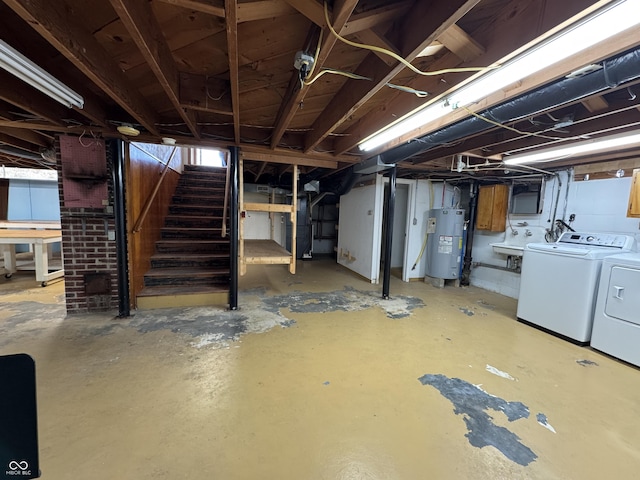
pixel 360 229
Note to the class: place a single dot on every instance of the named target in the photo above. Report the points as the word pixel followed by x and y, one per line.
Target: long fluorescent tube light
pixel 17 64
pixel 603 24
pixel 578 148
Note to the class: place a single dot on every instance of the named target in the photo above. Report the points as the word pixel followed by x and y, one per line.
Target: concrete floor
pixel 334 383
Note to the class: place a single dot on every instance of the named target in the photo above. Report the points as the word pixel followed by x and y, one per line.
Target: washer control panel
pixel 612 240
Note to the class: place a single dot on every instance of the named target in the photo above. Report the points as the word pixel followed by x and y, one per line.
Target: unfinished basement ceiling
pixel 220 73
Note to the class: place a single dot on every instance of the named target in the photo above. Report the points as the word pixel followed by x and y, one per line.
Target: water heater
pixel 444 243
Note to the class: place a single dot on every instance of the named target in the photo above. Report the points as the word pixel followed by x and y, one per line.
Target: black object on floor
pixel 18 417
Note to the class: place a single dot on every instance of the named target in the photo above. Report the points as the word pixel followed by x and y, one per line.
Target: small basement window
pixel 209 157
pixel 526 197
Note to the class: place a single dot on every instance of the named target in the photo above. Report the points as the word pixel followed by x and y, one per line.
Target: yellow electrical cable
pixel 402 88
pixel 336 72
pixel 417 93
pixel 407 64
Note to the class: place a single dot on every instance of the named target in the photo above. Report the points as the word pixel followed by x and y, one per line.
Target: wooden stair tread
pixel 185 272
pixel 163 290
pixel 205 218
pixel 190 256
pixel 188 241
pixel 190 229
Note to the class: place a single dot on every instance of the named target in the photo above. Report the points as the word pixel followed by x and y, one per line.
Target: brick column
pixel 89 247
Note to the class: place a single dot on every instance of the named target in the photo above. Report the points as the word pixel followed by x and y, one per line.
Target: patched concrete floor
pixel 317 377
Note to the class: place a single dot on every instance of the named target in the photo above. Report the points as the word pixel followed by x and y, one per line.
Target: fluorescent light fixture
pixel 604 23
pixel 594 145
pixel 17 64
pixel 422 117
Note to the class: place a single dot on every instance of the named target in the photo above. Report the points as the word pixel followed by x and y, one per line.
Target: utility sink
pixel 508 249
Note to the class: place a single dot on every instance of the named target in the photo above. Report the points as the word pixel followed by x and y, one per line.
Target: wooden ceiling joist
pixel 79 46
pixel 26 135
pixel 19 94
pixel 262 9
pixel 459 42
pixel 374 38
pixel 47 127
pixel 17 143
pixel 204 6
pixel 295 95
pixel 422 19
pixel 312 10
pixel 377 16
pixel 264 155
pixel 141 23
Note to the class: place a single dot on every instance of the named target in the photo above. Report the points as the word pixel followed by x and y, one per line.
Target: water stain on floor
pixel 261 312
pixel 472 402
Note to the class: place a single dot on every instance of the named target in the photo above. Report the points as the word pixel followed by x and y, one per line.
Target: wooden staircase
pixel 191 264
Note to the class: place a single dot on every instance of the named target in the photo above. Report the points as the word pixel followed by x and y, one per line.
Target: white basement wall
pixel 257 225
pixel 599 206
pixel 360 225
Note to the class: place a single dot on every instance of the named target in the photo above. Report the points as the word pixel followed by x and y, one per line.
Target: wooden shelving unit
pixel 267 252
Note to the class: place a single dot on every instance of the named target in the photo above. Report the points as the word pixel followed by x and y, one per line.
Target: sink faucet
pixel 528 233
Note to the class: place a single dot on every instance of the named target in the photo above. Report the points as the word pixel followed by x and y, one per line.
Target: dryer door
pixel 623 296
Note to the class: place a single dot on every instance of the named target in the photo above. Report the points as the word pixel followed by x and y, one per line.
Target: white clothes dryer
pixel 559 282
pixel 616 324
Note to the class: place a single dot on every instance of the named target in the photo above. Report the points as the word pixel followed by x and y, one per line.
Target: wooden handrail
pixel 224 207
pixel 145 210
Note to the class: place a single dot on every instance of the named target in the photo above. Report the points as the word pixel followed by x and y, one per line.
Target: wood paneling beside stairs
pixel 191 262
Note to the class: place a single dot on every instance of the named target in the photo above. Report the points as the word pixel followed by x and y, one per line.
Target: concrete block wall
pixel 89 250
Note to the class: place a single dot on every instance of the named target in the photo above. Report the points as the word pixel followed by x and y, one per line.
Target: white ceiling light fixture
pixel 595 145
pixel 602 24
pixel 17 64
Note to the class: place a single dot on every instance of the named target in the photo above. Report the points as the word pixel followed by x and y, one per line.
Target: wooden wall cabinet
pixel 634 195
pixel 492 208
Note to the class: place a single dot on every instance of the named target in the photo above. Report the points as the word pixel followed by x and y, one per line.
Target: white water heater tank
pixel 444 245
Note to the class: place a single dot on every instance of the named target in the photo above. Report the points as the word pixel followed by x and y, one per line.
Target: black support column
pixel 233 226
pixel 473 207
pixel 390 208
pixel 122 254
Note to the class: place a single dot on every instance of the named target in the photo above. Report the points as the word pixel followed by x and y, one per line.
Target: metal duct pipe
pixel 338 186
pixel 615 72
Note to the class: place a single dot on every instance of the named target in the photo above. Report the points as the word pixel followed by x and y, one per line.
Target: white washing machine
pixel 616 324
pixel 559 282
